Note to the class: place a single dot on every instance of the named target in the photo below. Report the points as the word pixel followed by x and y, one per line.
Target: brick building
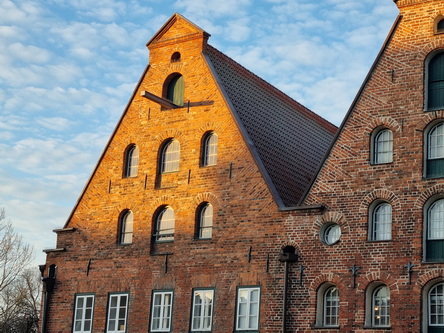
pixel 220 204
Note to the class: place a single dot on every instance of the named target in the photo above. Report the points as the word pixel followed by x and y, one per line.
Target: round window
pixel 331 233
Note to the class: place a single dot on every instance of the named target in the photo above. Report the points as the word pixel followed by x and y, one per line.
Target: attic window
pixel 439 25
pixel 175 57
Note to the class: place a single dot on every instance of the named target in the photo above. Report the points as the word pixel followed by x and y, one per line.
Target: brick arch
pixel 429 276
pixel 437 189
pixel 428 118
pixel 208 197
pixel 210 126
pixel 325 278
pixel 381 276
pixel 382 194
pixel 164 200
pixel 328 217
pixel 290 243
pixel 171 133
pixel 388 122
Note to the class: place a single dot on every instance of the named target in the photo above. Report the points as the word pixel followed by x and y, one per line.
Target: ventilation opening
pixel 288 254
pixel 175 57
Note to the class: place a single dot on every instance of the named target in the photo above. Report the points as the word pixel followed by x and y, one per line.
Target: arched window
pixel 205 221
pixel 434 250
pixel 383 146
pixel 175 57
pixel 170 157
pixel 435 82
pixel 331 307
pixel 165 222
pixel 381 222
pixel 435 152
pixel 435 308
pixel 381 307
pixel 126 227
pixel 131 161
pixel 440 27
pixel 175 90
pixel 209 149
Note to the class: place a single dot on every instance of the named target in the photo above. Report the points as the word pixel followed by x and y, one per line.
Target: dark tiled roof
pixel 288 139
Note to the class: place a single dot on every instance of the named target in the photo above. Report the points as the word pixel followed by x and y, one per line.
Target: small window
pixel 165 222
pixel 381 222
pixel 330 233
pixel 439 25
pixel 435 308
pixel 175 57
pixel 435 232
pixel 83 314
pixel 331 307
pixel 126 227
pixel 170 157
pixel 381 307
pixel 435 152
pixel 247 314
pixel 117 313
pixel 175 90
pixel 435 82
pixel 202 315
pixel 209 151
pixel 161 311
pixel 205 221
pixel 131 161
pixel 383 147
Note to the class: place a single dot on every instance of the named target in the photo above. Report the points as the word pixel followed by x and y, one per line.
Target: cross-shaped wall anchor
pixel 409 267
pixel 354 271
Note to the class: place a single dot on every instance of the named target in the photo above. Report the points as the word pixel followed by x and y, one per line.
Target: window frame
pixel 209 149
pixel 169 161
pixel 428 81
pixel 249 290
pixel 126 227
pixel 433 242
pixel 203 222
pixel 119 296
pixel 374 231
pixel 321 306
pixel 376 153
pixel 131 161
pixel 162 306
pixel 174 89
pixel 159 234
pixel 330 233
pixel 82 320
pixel 374 306
pixel 203 312
pixel 437 161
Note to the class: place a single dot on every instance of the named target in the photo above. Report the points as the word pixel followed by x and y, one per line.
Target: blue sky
pixel 68 68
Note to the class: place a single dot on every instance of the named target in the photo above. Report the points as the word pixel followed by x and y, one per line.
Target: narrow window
pixel 117 313
pixel 383 147
pixel 435 231
pixel 165 223
pixel 126 227
pixel 175 90
pixel 331 307
pixel 209 151
pixel 247 315
pixel 131 161
pixel 440 27
pixel 435 96
pixel 381 307
pixel 436 308
pixel 435 152
pixel 83 313
pixel 381 222
pixel 161 311
pixel 170 157
pixel 202 316
pixel 175 57
pixel 205 221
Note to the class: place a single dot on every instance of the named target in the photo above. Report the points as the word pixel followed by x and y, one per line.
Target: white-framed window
pixel 435 151
pixel 331 307
pixel 126 227
pixel 209 152
pixel 161 311
pixel 436 307
pixel 381 222
pixel 381 307
pixel 202 311
pixel 435 81
pixel 434 241
pixel 131 166
pixel 83 313
pixel 165 224
pixel 330 233
pixel 117 313
pixel 170 157
pixel 247 312
pixel 383 146
pixel 205 221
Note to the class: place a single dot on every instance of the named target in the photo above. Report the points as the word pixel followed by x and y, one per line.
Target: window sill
pixel 432 262
pixel 378 328
pixel 379 240
pixel 326 327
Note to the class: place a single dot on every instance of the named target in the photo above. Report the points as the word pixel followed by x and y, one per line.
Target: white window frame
pixel 380 308
pixel 330 314
pixel 165 225
pixel 381 222
pixel 248 308
pixel 202 312
pixel 205 221
pixel 126 227
pixel 131 161
pixel 161 320
pixel 438 303
pixel 383 146
pixel 83 313
pixel 170 159
pixel 117 321
pixel 209 157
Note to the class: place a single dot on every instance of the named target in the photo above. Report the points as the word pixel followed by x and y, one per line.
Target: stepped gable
pixel 290 140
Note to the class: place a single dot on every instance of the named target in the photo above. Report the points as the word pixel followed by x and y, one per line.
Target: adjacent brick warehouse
pixel 265 202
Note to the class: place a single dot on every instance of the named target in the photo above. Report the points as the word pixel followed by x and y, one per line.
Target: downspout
pixel 48 287
pixel 287 256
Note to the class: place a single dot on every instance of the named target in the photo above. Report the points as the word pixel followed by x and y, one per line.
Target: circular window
pixel 331 233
